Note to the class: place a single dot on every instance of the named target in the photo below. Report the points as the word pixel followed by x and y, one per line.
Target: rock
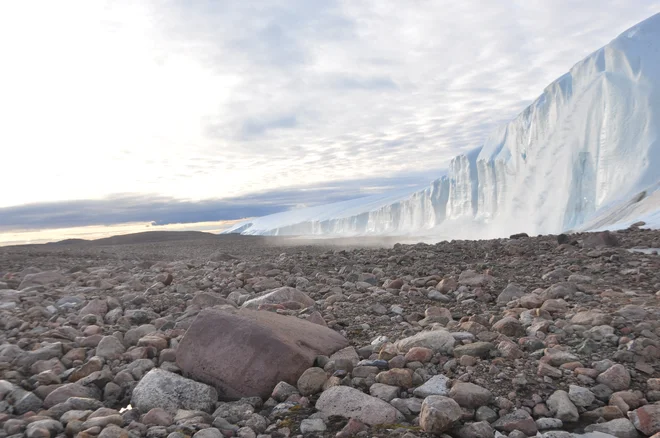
pixel 283 391
pixel 440 341
pixel 352 403
pixel 601 239
pixel 210 432
pixel 472 278
pixel 476 349
pixel 396 377
pixel 620 428
pixel 510 293
pixel 247 353
pixel 384 392
pixel 616 377
pixel 562 407
pixel 312 380
pixel 69 390
pixel 469 395
pixel 157 417
pixel 509 326
pixel 481 429
pixel 110 348
pixel 312 426
pixel 581 397
pixel 517 420
pixel 24 401
pixel 41 279
pixel 646 419
pixel 436 385
pixel 439 414
pixel 169 391
pixel 279 296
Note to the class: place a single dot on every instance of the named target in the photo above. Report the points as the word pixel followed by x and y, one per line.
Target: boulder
pixel 171 392
pixel 246 353
pixel 349 402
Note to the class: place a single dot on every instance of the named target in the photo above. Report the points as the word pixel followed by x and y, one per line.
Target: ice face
pixel 579 157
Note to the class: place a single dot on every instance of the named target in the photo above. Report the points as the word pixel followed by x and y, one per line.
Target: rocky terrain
pixel 551 336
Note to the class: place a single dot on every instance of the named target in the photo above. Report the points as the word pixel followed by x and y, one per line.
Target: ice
pixel 584 156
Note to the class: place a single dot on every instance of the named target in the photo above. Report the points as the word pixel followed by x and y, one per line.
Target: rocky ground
pixel 552 336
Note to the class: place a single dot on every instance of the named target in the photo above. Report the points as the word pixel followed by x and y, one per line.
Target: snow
pixel 584 156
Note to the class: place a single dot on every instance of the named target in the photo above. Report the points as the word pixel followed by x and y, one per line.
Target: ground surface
pixel 361 290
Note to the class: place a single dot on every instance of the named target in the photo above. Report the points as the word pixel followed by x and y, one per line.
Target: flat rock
pixel 171 392
pixel 247 353
pixel 349 402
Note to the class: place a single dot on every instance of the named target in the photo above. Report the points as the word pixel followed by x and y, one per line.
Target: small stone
pixel 580 396
pixel 562 407
pixel 616 377
pixel 620 428
pixel 312 425
pixel 312 380
pixel 436 385
pixel 517 420
pixel 469 395
pixel 439 414
pixel 646 419
pixel 384 392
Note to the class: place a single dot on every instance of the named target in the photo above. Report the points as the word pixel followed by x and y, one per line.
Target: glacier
pixel 585 155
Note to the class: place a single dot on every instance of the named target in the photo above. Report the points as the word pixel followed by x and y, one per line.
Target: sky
pixel 171 111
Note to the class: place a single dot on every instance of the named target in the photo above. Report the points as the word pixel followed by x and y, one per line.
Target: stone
pixel 396 377
pixel 247 353
pixel 510 293
pixel 41 279
pixel 620 428
pixel 419 354
pixel 279 296
pixel 480 429
pixel 562 407
pixel 469 395
pixel 517 420
pixel 580 396
pixel 169 391
pixel 440 341
pixel 384 392
pixel 646 419
pixel 283 391
pixel 476 349
pixel 349 402
pixel 312 426
pixel 509 326
pixel 110 348
pixel 69 390
pixel 312 380
pixel 210 432
pixel 157 417
pixel 436 385
pixel 616 377
pixel 472 278
pixel 601 239
pixel 439 414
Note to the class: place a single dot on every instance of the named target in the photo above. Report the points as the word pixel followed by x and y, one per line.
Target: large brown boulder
pixel 246 353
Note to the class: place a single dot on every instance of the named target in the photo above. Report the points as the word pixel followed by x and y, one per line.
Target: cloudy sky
pixel 191 110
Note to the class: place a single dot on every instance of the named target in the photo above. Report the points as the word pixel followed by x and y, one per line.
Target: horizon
pixel 181 115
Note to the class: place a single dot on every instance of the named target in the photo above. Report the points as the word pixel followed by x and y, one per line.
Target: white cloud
pixel 210 99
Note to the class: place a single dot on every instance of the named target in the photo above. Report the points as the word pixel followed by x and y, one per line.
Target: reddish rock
pixel 246 353
pixel 419 354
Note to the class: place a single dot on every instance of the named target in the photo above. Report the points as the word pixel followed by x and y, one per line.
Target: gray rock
pixel 437 340
pixel 510 293
pixel 619 427
pixel 279 296
pixel 580 396
pixel 162 389
pixel 352 403
pixel 312 380
pixel 469 395
pixel 616 377
pixel 562 407
pixel 481 429
pixel 110 348
pixel 436 385
pixel 384 392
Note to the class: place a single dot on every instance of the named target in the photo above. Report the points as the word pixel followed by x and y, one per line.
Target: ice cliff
pixel 584 155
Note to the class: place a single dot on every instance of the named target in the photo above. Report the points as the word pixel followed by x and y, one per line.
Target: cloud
pixel 163 210
pixel 216 100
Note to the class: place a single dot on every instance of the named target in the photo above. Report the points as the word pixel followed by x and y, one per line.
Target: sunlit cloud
pixel 207 101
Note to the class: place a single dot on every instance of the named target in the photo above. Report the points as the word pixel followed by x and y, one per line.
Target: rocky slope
pixel 552 336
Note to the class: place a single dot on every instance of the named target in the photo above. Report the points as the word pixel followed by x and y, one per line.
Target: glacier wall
pixel 589 143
